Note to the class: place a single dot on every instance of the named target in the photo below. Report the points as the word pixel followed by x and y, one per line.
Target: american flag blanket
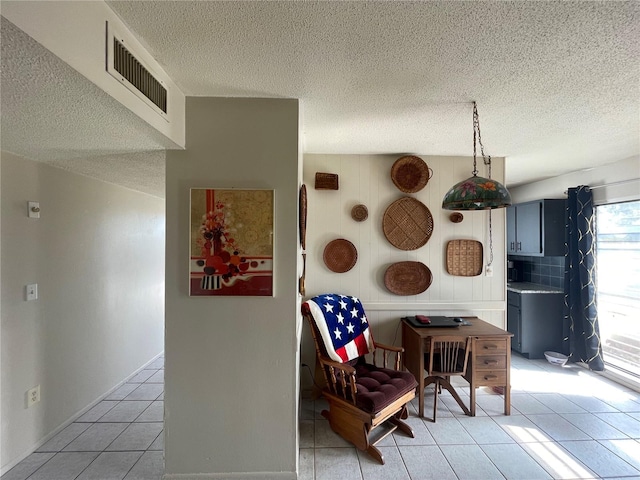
pixel 343 326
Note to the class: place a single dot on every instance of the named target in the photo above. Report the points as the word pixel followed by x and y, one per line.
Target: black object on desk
pixel 434 321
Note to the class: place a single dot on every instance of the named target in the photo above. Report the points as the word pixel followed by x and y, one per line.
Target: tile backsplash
pixel 539 270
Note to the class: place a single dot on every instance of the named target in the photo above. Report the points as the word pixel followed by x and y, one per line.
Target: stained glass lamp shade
pixel 477 193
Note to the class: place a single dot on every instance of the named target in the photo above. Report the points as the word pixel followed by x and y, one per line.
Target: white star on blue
pixel 333 306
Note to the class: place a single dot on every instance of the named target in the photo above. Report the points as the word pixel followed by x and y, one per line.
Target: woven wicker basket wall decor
pixel 407 278
pixel 326 181
pixel 407 224
pixel 410 174
pixel 464 258
pixel 359 213
pixel 340 255
pixel 302 220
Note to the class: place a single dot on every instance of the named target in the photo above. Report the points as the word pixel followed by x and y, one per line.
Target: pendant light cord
pixel 490 242
pixel 487 161
pixel 476 133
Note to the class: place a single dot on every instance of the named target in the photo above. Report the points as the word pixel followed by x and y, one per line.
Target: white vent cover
pixel 127 65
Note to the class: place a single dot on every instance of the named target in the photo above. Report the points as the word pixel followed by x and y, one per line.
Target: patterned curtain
pixel 580 280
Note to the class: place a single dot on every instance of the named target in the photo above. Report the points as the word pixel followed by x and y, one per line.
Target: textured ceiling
pixel 52 114
pixel 557 83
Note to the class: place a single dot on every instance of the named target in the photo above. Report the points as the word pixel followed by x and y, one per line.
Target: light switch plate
pixel 31 292
pixel 34 209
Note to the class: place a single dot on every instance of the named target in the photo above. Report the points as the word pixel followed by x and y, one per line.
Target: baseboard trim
pixel 74 417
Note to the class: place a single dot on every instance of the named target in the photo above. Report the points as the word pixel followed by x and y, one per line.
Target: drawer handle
pixel 490 362
pixel 490 347
pixel 490 377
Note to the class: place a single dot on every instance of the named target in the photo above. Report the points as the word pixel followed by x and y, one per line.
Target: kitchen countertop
pixel 526 287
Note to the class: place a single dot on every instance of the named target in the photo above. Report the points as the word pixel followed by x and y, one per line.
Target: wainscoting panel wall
pixel 366 179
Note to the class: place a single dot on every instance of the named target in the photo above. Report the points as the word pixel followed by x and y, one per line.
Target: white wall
pixel 97 255
pixel 366 179
pixel 231 368
pixel 622 180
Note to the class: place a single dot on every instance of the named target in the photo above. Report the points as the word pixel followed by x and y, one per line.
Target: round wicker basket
pixel 340 255
pixel 407 224
pixel 410 174
pixel 359 213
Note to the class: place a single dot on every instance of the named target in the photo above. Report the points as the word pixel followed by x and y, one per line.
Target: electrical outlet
pixel 33 396
pixel 488 271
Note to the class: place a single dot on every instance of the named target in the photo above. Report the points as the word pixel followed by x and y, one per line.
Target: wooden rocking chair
pixel 361 396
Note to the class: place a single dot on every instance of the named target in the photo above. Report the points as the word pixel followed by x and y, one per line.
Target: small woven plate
pixel 359 213
pixel 410 174
pixel 407 223
pixel 464 258
pixel 340 255
pixel 407 278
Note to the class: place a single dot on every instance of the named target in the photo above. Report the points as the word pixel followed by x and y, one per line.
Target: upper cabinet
pixel 536 228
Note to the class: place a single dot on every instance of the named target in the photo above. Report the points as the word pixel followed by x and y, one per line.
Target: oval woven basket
pixel 410 174
pixel 340 255
pixel 407 223
pixel 407 278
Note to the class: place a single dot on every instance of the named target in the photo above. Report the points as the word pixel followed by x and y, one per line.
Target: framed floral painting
pixel 231 242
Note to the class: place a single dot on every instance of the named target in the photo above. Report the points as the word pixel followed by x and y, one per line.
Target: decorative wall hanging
pixel 456 217
pixel 410 174
pixel 301 280
pixel 326 181
pixel 477 193
pixel 407 278
pixel 407 223
pixel 359 213
pixel 340 255
pixel 303 216
pixel 464 258
pixel 231 247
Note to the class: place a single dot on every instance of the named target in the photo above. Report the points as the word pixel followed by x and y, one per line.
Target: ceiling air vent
pixel 125 65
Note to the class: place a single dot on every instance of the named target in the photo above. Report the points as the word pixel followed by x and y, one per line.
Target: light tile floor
pixel 566 423
pixel 119 438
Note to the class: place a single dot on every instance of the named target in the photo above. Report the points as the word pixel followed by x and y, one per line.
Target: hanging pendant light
pixel 477 193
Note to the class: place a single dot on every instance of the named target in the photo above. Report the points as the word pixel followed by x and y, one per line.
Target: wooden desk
pixel 489 361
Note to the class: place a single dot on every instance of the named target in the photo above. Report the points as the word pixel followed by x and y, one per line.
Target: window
pixel 618 284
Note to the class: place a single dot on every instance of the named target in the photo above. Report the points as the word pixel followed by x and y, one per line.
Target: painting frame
pixel 231 248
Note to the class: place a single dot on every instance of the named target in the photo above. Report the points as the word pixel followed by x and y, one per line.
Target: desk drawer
pixel 490 362
pixel 487 346
pixel 491 377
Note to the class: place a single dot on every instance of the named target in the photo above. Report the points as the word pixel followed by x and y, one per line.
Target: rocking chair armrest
pixel 390 348
pixel 340 379
pixel 386 351
pixel 347 369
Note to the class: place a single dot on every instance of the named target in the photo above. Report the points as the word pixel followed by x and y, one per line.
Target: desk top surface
pixel 478 328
